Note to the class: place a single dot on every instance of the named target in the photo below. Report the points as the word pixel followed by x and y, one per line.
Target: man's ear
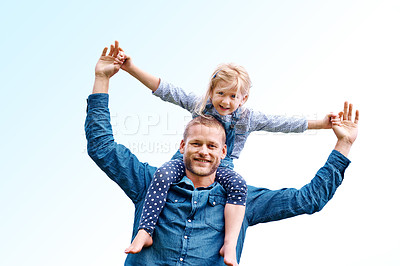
pixel 224 151
pixel 182 147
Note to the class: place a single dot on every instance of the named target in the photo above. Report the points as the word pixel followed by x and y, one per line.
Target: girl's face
pixel 226 101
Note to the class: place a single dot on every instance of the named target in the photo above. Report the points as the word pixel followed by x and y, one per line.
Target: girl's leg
pixel 156 196
pixel 235 209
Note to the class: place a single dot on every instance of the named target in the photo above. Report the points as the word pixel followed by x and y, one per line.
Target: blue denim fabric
pixel 229 131
pixel 190 230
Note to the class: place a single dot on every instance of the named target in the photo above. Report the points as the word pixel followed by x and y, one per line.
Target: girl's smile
pixel 227 100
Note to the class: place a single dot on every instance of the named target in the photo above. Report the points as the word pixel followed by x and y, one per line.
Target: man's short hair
pixel 205 120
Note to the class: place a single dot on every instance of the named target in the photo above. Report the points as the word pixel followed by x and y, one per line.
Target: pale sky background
pixel 304 58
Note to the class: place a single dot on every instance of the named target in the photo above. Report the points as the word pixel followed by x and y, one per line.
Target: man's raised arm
pixel 114 159
pixel 271 205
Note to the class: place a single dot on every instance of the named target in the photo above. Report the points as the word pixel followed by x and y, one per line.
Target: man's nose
pixel 203 150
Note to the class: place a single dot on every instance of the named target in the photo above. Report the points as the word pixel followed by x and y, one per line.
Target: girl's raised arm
pixel 145 78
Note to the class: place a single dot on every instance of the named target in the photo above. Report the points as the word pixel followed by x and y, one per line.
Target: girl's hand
pixel 124 60
pixel 121 57
pixel 326 123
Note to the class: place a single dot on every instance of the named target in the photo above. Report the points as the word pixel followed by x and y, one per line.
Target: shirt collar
pixel 186 183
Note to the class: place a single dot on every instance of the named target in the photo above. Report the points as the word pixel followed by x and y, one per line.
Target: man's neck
pixel 200 181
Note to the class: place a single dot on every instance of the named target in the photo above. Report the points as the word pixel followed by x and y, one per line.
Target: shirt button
pixel 176 200
pixel 189 221
pixel 195 202
pixel 181 259
pixel 214 203
pixel 185 237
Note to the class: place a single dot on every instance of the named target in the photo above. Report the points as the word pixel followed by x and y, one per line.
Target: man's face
pixel 203 150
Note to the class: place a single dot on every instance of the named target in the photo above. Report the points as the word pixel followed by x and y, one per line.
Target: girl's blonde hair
pixel 234 75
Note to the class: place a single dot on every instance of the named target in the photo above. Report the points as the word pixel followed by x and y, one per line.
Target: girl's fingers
pixel 121 56
pixel 118 61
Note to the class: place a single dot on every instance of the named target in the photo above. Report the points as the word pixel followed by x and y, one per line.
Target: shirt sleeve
pixel 265 205
pixel 170 93
pixel 276 123
pixel 114 159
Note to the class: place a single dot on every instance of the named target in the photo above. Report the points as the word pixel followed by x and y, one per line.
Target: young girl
pixel 228 90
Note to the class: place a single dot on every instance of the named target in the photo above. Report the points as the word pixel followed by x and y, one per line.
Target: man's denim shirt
pixel 190 230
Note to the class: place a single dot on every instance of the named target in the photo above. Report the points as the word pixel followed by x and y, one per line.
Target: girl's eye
pixel 220 93
pixel 233 96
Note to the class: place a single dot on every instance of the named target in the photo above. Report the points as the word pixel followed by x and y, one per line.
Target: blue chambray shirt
pixel 190 230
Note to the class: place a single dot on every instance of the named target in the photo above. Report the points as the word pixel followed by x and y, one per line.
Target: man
pixel 190 230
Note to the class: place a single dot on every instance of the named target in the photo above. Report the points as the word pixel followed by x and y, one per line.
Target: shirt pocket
pixel 241 129
pixel 215 212
pixel 174 207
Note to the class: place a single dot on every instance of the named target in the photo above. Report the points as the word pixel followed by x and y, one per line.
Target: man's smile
pixel 202 160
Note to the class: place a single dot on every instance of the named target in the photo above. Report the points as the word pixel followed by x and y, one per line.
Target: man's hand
pixel 345 129
pixel 109 64
pixel 106 67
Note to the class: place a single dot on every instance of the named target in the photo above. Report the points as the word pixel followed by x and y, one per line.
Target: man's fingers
pixel 116 50
pixel 350 114
pixel 357 117
pixel 345 111
pixel 104 51
pixel 111 50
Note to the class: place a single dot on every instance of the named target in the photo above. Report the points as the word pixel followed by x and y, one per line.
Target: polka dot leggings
pixel 173 171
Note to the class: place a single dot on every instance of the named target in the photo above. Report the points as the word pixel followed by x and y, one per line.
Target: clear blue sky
pixel 304 58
